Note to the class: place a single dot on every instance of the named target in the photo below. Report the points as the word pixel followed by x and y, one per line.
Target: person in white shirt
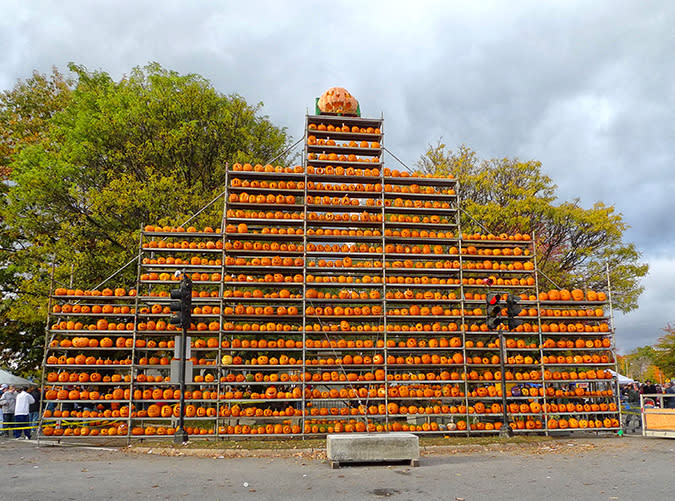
pixel 21 413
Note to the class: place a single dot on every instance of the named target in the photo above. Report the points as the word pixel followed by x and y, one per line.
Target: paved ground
pixel 627 468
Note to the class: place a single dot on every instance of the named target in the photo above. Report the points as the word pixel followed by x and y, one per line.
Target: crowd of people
pixel 19 410
pixel 631 393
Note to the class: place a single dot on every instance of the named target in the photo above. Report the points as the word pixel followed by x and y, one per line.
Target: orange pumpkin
pixel 337 100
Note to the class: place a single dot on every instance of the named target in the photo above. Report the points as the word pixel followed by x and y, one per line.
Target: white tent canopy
pixel 621 378
pixel 10 379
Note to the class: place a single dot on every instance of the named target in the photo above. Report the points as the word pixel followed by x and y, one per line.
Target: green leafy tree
pixel 150 148
pixel 25 112
pixel 575 246
pixel 665 352
pixel 641 362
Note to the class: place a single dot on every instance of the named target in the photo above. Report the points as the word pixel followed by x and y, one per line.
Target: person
pixel 2 418
pixel 8 403
pixel 669 402
pixel 648 388
pixel 633 395
pixel 34 408
pixel 22 412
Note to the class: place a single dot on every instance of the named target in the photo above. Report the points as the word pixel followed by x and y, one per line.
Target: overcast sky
pixel 587 88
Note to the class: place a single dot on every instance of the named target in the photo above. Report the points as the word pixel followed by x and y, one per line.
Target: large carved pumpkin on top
pixel 338 100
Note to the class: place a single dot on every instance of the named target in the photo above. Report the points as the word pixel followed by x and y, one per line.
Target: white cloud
pixel 657 307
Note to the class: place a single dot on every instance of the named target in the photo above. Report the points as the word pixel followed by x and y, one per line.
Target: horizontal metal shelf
pixel 421 181
pixel 569 319
pixel 182 234
pixel 398 256
pixel 90 366
pixel 428 349
pixel 261 190
pixel 568 381
pixel 346 164
pixel 281 300
pixel 181 250
pixel 432 197
pixel 262 317
pixel 344 208
pixel 265 237
pixel 266 269
pixel 575 413
pixel 197 267
pixel 343 238
pixel 381 382
pixel 423 301
pixel 485 286
pixel 424 226
pixel 337 350
pixel 350 193
pixel 263 222
pixel 608 348
pixel 342 317
pixel 344 120
pixel 175 401
pixel 93 298
pixel 317 300
pixel 262 333
pixel 344 136
pixel 416 240
pixel 344 149
pixel 313 270
pixel 79 401
pixel 476 257
pixel 215 301
pixel 424 271
pixel 261 349
pixel 177 282
pixel 335 285
pixel 80 314
pixel 284 176
pixel 575 334
pixel 422 286
pixel 582 366
pixel 171 418
pixel 424 211
pixel 508 381
pixel 571 303
pixel 497 243
pixel 88 333
pixel 365 255
pixel 268 205
pixel 52 384
pixel 498 272
pixel 87 348
pixel 109 421
pixel 263 253
pixel 316 223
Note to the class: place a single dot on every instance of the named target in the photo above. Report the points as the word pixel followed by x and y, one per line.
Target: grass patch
pixel 517 439
pixel 320 443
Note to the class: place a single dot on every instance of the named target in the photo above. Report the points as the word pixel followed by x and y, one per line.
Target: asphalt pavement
pixel 625 468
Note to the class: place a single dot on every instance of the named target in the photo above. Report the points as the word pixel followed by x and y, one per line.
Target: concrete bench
pixel 376 447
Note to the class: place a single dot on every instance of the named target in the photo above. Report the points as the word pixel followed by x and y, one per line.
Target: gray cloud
pixel 584 87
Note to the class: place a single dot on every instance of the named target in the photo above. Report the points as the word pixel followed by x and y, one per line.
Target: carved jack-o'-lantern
pixel 338 100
